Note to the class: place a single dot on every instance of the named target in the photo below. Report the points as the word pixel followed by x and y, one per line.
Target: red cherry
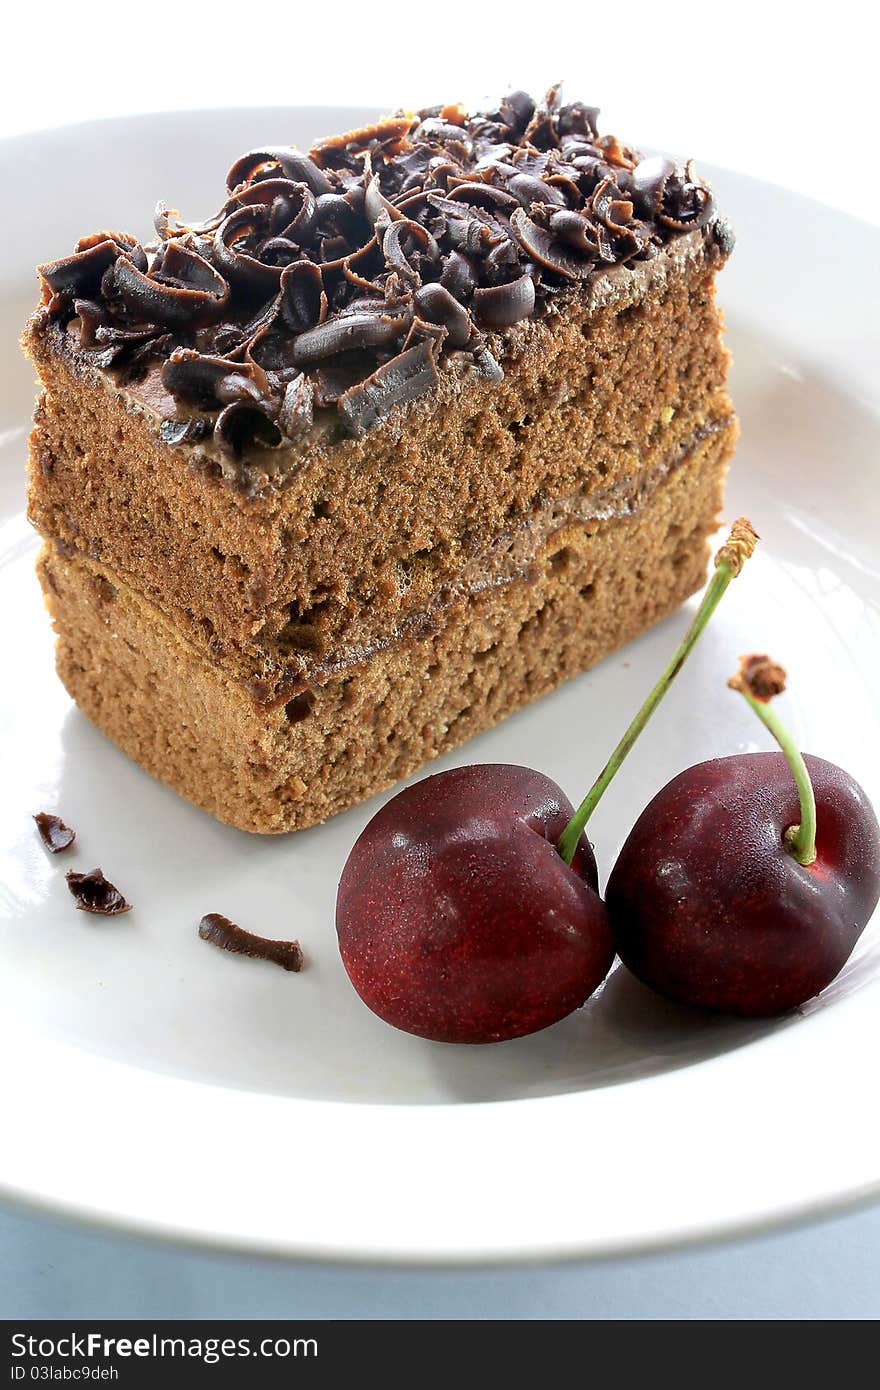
pixel 459 921
pixel 710 906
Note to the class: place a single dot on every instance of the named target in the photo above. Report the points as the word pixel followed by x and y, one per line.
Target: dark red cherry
pixel 458 919
pixel 708 903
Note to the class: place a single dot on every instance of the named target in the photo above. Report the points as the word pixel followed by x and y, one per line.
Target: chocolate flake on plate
pixel 56 836
pixel 95 893
pixel 221 932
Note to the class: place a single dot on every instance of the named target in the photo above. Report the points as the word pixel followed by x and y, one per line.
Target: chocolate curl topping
pixel 303 301
pixel 387 134
pixel 484 195
pixel 459 276
pixel 526 189
pixel 503 305
pixel 212 382
pixel 341 277
pixel 79 275
pixel 407 246
pixel 649 178
pixel 260 164
pixel 577 119
pixel 291 209
pixel 370 328
pixel 297 408
pixel 247 227
pixel 687 202
pixel 168 224
pixel 403 379
pixel 436 304
pixel 183 431
pixel 581 234
pixel 187 293
pixel 240 425
pixel 375 202
pixel 546 250
pixel 675 197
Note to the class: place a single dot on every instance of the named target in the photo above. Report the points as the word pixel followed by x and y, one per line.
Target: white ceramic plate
pixel 154 1083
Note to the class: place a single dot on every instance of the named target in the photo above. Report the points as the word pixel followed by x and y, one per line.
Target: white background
pixel 783 91
pixel 758 87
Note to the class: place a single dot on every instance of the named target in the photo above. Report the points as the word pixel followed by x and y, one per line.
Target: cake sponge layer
pixel 269 767
pixel 610 386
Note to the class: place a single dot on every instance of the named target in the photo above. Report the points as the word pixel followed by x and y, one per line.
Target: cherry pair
pixel 469 910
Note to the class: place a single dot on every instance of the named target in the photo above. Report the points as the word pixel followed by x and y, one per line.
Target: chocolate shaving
pixel 408 261
pixel 260 164
pixel 303 301
pixel 516 111
pixel 331 379
pixel 649 179
pixel 371 327
pixel 459 276
pixel 211 382
pixel 338 216
pixel 229 937
pixel 503 305
pixel 581 234
pixel 375 202
pixel 546 250
pixel 297 409
pixel 80 275
pixel 92 316
pixel 578 119
pixel 183 431
pixel 403 379
pixel 336 148
pixel 487 364
pixel 485 195
pixel 197 293
pixel 436 304
pixel 96 894
pixel 56 836
pixel 527 190
pixel 407 235
pixel 238 231
pixel 240 425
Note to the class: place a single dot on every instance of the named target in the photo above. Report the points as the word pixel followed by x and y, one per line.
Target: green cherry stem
pixel 728 563
pixel 758 680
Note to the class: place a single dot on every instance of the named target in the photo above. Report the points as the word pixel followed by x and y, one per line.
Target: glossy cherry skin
pixel 457 918
pixel 707 905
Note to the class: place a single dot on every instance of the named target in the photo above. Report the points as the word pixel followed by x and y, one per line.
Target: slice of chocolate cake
pixel 417 426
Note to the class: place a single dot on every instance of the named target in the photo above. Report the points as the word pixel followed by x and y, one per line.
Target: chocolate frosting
pixel 339 278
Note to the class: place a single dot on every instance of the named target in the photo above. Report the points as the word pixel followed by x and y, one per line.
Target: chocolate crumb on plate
pixel 56 836
pixel 94 893
pixel 221 932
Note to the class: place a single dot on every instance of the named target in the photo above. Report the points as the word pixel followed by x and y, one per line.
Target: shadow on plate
pixel 624 1033
pixel 272 1021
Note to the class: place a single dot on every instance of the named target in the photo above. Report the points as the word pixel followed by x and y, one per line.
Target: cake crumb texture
pixel 278 769
pixel 367 532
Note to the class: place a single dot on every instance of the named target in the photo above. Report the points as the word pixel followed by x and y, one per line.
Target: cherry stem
pixel 799 840
pixel 728 563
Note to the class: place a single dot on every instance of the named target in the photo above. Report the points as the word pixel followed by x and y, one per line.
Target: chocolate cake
pixel 417 426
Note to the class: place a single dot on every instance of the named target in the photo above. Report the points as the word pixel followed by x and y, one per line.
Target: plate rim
pixel 136 1223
